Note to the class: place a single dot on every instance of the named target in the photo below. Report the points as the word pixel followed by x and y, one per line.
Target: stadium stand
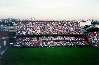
pixel 49 33
pixel 28 33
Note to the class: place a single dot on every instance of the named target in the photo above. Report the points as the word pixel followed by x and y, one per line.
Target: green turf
pixel 52 56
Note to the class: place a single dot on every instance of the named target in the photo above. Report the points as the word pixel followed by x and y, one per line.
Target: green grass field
pixel 52 56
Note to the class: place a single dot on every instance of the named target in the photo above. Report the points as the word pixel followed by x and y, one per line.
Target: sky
pixel 43 9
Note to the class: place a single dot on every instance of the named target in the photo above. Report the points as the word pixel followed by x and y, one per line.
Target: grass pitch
pixel 52 56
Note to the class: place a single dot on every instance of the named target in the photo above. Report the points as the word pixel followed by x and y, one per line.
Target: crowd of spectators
pixel 46 28
pixel 94 36
pixel 49 41
pixel 5 24
pixel 49 27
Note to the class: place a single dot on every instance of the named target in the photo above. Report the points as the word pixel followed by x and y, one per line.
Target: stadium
pixel 30 42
